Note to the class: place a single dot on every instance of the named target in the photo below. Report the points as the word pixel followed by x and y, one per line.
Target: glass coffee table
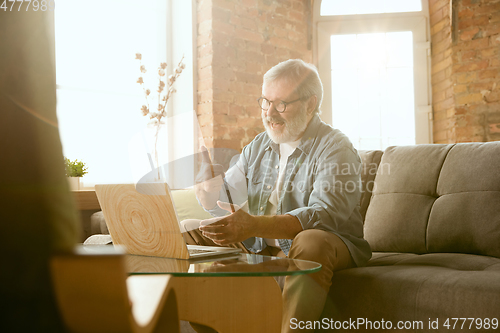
pixel 236 293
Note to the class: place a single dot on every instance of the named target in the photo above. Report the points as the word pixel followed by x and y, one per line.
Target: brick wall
pixel 466 57
pixel 441 72
pixel 238 41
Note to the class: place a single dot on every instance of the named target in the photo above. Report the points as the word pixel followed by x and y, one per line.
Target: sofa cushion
pixel 466 216
pixel 458 261
pixel 437 198
pixel 371 161
pixel 407 292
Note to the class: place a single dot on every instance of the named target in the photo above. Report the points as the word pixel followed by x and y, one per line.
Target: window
pixel 99 100
pixel 375 71
pixel 336 7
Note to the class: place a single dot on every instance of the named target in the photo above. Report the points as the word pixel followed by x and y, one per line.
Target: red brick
pixel 237 43
pixel 248 35
pixel 441 35
pixel 488 74
pixel 469 98
pixel 280 32
pixel 296 16
pixel 282 42
pixel 249 3
pixel 204 84
pixel 443 85
pixel 268 48
pixel 480 86
pixel 467 12
pixel 205 27
pixel 494 17
pixel 470 34
pixel 471 66
pixel 444 24
pixel 495 39
pixel 493 96
pixel 221 14
pixel 446 104
pixel 223 27
pixel 466 77
pixel 440 46
pixel 435 5
pixel 475 44
pixel 220 108
pixel 495 62
pixel 205 73
pixel 494 128
pixel 438 16
pixel 487 8
pixel 438 77
pixel 245 100
pixel 468 55
pixel 492 29
pixel 204 15
pixel 487 53
pixel 203 39
pixel 439 136
pixel 224 4
pixel 441 65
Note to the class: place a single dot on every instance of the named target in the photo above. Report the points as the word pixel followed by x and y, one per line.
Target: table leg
pixel 230 304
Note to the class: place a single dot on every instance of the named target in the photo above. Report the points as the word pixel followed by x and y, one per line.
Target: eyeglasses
pixel 265 104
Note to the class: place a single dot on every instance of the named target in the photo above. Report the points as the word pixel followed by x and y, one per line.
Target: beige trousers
pixel 304 296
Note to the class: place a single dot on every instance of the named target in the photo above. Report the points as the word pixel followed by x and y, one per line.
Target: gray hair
pixel 303 74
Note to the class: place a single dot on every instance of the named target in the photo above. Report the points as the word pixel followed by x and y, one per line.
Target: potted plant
pixel 74 171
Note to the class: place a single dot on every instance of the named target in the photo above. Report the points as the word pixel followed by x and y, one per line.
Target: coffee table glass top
pixel 229 265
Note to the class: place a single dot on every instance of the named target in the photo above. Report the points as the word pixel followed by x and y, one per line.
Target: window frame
pixel 417 22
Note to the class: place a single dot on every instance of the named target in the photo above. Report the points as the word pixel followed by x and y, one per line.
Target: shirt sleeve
pixel 336 192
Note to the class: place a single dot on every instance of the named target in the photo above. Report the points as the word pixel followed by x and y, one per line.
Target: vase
pixel 74 183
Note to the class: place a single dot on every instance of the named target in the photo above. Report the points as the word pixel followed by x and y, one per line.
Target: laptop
pixel 143 218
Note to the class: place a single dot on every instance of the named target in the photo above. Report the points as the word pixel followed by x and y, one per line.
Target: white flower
pixel 140 80
pixel 143 69
pixel 161 72
pixel 138 56
pixel 144 110
pixel 163 65
pixel 147 91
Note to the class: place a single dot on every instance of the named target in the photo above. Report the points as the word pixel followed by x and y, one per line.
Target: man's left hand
pixel 231 229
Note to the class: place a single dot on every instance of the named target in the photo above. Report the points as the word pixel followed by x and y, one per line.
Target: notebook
pixel 143 218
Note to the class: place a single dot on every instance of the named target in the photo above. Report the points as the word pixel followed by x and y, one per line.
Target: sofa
pixel 433 223
pixel 432 218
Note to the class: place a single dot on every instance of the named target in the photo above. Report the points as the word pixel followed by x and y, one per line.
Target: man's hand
pixel 209 181
pixel 232 229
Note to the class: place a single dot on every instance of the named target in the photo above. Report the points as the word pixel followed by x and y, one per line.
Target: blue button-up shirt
pixel 321 187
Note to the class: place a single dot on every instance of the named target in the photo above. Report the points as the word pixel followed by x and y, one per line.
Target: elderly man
pixel 301 180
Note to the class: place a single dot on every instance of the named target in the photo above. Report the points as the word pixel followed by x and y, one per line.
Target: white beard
pixel 292 128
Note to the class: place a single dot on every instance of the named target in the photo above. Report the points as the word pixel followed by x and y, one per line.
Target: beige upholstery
pixel 371 161
pixel 434 226
pixel 430 198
